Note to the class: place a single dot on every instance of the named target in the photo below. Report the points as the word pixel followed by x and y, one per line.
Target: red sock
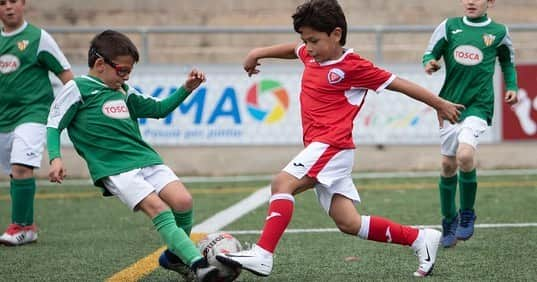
pixel 279 215
pixel 385 230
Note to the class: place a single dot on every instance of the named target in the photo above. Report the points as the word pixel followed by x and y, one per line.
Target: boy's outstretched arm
pixel 148 107
pixel 446 110
pixel 193 80
pixel 280 51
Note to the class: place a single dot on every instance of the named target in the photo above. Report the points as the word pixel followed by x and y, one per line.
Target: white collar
pixel 16 31
pixel 468 22
pixel 331 62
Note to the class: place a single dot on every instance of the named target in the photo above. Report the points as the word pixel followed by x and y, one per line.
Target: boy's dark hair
pixel 111 44
pixel 321 15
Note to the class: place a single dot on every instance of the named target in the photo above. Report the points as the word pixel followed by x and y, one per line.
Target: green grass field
pixel 84 237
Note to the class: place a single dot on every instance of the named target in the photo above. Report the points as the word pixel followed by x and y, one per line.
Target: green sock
pixel 22 201
pixel 185 220
pixel 468 189
pixel 448 188
pixel 175 238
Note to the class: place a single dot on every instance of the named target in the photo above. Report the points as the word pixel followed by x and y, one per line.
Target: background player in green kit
pixel 100 113
pixel 469 46
pixel 27 54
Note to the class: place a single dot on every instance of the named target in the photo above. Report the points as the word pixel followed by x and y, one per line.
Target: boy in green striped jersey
pixel 27 55
pixel 100 112
pixel 469 46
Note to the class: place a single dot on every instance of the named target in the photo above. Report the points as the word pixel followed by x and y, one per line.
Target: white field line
pixel 326 230
pixel 148 264
pixel 236 211
pixel 364 175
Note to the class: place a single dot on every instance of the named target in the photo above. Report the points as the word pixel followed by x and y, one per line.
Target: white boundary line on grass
pixel 221 219
pixel 246 178
pixel 325 230
pixel 148 264
pixel 234 212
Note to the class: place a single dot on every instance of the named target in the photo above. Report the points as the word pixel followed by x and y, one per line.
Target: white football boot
pixel 426 249
pixel 16 235
pixel 256 260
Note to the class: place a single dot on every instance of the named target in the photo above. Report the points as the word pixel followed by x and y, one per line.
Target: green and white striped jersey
pixel 26 56
pixel 469 48
pixel 102 123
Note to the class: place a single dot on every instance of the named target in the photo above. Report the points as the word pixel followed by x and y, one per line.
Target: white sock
pixel 364 227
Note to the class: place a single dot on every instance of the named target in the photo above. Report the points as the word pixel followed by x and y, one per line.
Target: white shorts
pixel 23 145
pixel 331 167
pixel 467 131
pixel 133 186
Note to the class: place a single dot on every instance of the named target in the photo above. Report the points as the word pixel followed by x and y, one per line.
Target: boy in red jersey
pixel 334 85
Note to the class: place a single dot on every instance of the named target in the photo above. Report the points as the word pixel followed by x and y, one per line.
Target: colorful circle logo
pixel 267 101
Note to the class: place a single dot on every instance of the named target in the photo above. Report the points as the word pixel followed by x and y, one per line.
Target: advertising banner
pixel 520 121
pixel 234 109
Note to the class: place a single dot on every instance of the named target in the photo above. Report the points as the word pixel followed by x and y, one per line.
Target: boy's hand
pixel 56 172
pixel 250 63
pixel 511 97
pixel 432 66
pixel 449 111
pixel 193 80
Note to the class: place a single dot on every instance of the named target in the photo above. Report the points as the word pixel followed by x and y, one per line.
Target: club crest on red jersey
pixel 335 75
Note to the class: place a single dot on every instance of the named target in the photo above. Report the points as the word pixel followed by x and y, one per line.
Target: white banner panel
pixel 234 109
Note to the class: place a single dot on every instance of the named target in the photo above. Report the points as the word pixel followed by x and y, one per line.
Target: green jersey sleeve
pixel 62 112
pixel 506 57
pixel 50 56
pixel 148 107
pixel 437 44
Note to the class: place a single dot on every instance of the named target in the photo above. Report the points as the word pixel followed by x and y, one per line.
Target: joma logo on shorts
pixel 8 63
pixel 116 109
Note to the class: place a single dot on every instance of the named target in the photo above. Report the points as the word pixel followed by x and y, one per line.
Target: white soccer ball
pixel 220 243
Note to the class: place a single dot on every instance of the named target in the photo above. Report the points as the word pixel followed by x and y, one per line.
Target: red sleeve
pixel 367 75
pixel 301 52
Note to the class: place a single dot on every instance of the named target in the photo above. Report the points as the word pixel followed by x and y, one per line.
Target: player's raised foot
pixel 465 230
pixel 204 271
pixel 17 235
pixel 426 251
pixel 170 261
pixel 449 227
pixel 256 260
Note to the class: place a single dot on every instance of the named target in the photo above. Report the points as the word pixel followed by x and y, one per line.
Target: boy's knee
pixel 280 185
pixel 465 158
pixel 449 167
pixel 183 203
pixel 20 171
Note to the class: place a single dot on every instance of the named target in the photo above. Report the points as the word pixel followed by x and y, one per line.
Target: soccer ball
pixel 220 243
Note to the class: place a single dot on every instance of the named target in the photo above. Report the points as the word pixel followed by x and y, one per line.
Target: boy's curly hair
pixel 321 15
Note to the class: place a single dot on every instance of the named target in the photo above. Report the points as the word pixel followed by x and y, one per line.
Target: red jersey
pixel 332 94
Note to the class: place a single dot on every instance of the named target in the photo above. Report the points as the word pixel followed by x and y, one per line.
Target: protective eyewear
pixel 120 70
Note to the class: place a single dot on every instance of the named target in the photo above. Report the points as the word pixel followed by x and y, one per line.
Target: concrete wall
pixel 231 161
pixel 226 48
pixel 240 12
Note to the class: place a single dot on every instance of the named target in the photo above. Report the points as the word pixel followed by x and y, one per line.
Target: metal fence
pixel 379 31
